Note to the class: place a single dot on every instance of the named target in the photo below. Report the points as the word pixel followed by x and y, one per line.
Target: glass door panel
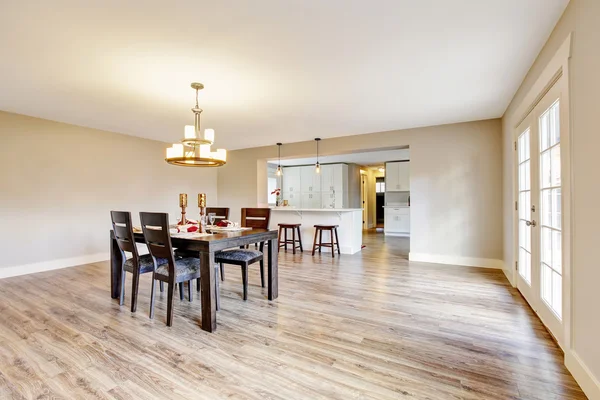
pixel 524 184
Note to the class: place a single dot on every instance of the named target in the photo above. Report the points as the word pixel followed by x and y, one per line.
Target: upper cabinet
pixel 303 187
pixel 310 181
pixel 397 176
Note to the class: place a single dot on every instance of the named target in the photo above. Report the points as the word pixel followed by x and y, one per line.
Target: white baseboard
pixel 509 275
pixel 397 234
pixel 588 382
pixel 456 260
pixel 17 270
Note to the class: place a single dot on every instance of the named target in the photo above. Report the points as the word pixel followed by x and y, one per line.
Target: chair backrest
pixel 256 217
pixel 158 239
pixel 221 213
pixel 123 230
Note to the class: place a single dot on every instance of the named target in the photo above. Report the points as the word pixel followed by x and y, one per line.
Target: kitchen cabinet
pixel 310 181
pixel 311 200
pixel 397 221
pixel 397 176
pixel 303 188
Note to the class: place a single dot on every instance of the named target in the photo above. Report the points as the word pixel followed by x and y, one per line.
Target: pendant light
pixel 194 150
pixel 317 165
pixel 279 171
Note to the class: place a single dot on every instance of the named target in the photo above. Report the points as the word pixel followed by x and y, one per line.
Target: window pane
pixel 544 132
pixel 557 251
pixel 546 210
pixel 556 171
pixel 524 177
pixel 525 265
pixel 545 166
pixel 525 205
pixel 547 246
pixel 555 118
pixel 557 294
pixel 556 209
pixel 546 284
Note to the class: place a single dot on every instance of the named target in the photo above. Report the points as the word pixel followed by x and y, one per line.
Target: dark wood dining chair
pixel 176 270
pixel 136 264
pixel 221 213
pixel 258 218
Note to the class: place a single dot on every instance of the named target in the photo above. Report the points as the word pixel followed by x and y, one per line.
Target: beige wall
pixel 456 183
pixel 58 183
pixel 582 17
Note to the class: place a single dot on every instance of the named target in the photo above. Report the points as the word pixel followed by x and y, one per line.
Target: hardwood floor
pixel 368 326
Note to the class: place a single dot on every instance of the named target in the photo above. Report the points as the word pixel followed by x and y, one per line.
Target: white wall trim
pixel 589 384
pixel 456 260
pixel 17 270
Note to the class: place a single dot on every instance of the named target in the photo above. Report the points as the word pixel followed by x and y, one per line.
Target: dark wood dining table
pixel 207 246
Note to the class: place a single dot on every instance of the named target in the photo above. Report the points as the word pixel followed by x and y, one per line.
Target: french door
pixel 539 211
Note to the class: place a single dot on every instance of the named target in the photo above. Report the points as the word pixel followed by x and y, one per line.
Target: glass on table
pixel 212 217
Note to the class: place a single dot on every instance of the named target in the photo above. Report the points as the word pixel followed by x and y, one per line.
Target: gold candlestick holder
pixel 202 207
pixel 183 205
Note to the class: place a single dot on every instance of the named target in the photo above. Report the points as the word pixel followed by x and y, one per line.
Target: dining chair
pixel 176 270
pixel 221 213
pixel 136 265
pixel 258 218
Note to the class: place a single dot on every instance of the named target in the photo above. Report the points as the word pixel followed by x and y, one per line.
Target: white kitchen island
pixel 348 219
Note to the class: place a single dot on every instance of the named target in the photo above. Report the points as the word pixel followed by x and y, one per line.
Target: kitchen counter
pixel 348 219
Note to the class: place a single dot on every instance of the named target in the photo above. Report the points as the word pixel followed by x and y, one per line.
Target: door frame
pixel 555 75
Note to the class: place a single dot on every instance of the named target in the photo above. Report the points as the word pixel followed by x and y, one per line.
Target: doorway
pixel 540 203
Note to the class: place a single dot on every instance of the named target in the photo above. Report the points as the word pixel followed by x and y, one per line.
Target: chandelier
pixel 194 150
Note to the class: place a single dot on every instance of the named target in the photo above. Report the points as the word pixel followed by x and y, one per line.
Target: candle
pixel 182 200
pixel 201 200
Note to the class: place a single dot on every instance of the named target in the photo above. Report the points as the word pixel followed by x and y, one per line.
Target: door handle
pixel 531 223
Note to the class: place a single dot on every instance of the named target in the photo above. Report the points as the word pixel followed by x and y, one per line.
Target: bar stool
pixel 295 228
pixel 319 231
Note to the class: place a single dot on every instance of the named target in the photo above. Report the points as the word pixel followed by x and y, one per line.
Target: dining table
pixel 207 246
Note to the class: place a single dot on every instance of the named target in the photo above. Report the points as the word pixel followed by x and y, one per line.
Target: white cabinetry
pixel 303 187
pixel 291 187
pixel 397 176
pixel 397 221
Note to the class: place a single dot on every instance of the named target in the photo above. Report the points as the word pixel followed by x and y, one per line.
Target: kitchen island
pixel 348 219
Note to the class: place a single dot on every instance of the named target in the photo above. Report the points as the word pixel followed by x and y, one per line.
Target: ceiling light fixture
pixel 194 150
pixel 279 171
pixel 317 165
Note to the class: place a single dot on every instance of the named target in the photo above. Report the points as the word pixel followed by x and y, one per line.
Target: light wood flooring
pixel 367 326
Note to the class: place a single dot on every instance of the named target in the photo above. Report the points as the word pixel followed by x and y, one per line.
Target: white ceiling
pixel 274 70
pixel 365 158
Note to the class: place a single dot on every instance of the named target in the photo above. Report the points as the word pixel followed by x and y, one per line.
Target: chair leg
pixel 320 239
pixel 135 284
pixel 170 294
pixel 190 295
pixel 315 242
pixel 181 295
pixel 198 286
pixel 222 272
pixel 279 240
pixel 152 296
pixel 262 273
pixel 293 241
pixel 285 240
pixel 122 297
pixel 331 240
pixel 217 294
pixel 162 286
pixel 300 239
pixel 337 241
pixel 245 281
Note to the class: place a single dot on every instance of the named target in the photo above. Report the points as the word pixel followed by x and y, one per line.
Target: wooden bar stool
pixel 295 228
pixel 319 232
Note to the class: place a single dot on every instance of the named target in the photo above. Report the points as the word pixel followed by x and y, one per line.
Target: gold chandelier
pixel 194 150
